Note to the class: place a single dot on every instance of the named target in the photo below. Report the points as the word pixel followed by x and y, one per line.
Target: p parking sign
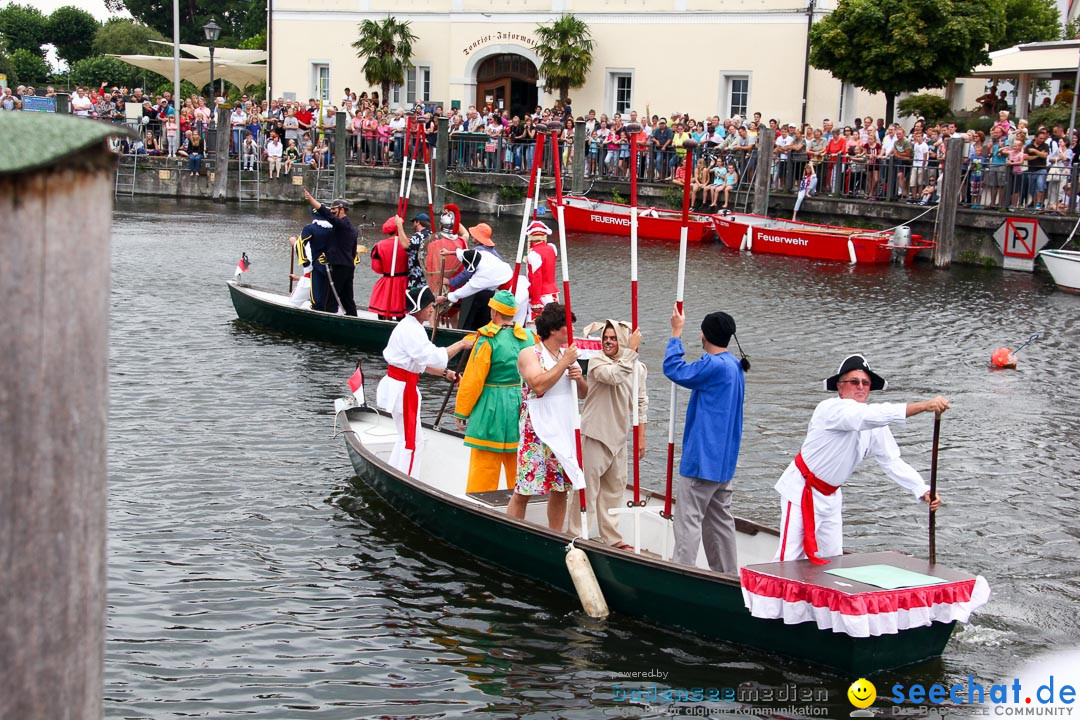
pixel 1020 240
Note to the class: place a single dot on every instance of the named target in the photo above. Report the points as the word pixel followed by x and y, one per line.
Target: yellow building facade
pixel 720 57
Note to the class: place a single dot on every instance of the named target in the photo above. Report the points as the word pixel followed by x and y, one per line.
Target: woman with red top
pixel 834 162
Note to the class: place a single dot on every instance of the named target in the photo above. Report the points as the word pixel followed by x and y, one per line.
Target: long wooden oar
pixel 292 262
pixel 933 488
pixel 684 230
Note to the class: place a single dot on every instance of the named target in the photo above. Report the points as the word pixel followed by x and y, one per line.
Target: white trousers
pixel 828 528
pixel 301 294
pixel 403 459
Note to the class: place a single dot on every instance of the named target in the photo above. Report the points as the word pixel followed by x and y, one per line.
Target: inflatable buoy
pixel 588 590
pixel 1003 357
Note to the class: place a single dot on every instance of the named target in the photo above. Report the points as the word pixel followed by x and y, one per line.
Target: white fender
pixel 746 238
pixel 851 251
pixel 588 590
pixel 750 238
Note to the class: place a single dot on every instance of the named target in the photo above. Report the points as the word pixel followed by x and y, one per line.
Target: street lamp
pixel 212 31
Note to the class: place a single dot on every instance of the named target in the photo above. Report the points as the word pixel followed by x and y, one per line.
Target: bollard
pixel 341 141
pixel 221 155
pixel 766 139
pixel 577 168
pixel 53 402
pixel 442 152
pixel 949 191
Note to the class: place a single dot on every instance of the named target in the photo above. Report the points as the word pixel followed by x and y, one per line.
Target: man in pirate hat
pixel 489 398
pixel 843 430
pixel 489 274
pixel 407 354
pixel 541 261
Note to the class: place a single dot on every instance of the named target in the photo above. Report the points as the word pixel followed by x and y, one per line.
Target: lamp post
pixel 212 31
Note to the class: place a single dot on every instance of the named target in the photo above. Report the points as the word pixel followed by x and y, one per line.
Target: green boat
pixel 272 310
pixel 638 584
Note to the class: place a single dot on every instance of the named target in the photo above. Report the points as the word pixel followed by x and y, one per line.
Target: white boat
pixel 1064 267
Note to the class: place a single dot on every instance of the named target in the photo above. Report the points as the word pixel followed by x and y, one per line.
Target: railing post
pixel 766 139
pixel 442 155
pixel 577 178
pixel 221 155
pixel 341 150
pixel 950 198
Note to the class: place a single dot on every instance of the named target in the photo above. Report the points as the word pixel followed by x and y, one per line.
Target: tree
pixel 24 27
pixel 29 67
pixel 386 48
pixel 93 71
pixel 122 36
pixel 1029 21
pixel 239 19
pixel 71 31
pixel 565 51
pixel 933 108
pixel 895 46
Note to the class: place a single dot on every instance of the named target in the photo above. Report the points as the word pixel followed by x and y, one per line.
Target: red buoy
pixel 1003 357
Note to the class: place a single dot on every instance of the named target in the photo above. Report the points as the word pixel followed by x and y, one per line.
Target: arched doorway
pixel 507 81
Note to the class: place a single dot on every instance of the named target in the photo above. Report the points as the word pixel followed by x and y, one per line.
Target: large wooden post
pixel 949 190
pixel 53 403
pixel 221 155
pixel 577 167
pixel 442 152
pixel 341 150
pixel 766 139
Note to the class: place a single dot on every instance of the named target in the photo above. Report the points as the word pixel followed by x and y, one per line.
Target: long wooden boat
pixel 272 310
pixel 762 234
pixel 1064 267
pixel 608 218
pixel 645 585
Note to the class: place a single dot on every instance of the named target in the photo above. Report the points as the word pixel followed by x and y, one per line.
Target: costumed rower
pixel 541 262
pixel 409 353
pixel 301 294
pixel 415 246
pixel 489 398
pixel 843 431
pixel 489 273
pixel 341 255
pixel 474 310
pixel 606 420
pixel 546 462
pixel 711 438
pixel 318 235
pixel 391 262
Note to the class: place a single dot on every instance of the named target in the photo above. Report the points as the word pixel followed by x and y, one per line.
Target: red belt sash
pixel 404 274
pixel 813 482
pixel 410 401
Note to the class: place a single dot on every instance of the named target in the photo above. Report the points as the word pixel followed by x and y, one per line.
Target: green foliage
pixel 617 197
pixel 23 27
pixel 463 187
pixel 1029 21
pixel 1051 116
pixel 123 36
pixel 255 42
pixel 974 121
pixel 673 197
pixel 93 71
pixel 29 67
pixel 386 49
pixel 895 46
pixel 239 19
pixel 565 49
pixel 1071 31
pixel 509 194
pixel 933 108
pixel 71 31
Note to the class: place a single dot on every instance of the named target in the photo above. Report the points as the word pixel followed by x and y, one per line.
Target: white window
pixel 320 75
pixel 417 88
pixel 738 95
pixel 620 91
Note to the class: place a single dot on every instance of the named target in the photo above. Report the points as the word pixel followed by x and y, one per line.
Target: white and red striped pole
pixel 404 168
pixel 689 145
pixel 633 129
pixel 534 182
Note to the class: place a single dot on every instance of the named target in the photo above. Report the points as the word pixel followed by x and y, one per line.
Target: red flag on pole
pixel 356 385
pixel 243 265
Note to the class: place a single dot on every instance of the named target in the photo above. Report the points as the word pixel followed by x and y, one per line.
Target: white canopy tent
pixel 197 70
pixel 220 54
pixel 1028 62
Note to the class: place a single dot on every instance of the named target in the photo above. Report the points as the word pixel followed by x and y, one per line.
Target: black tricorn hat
pixel 418 298
pixel 855 362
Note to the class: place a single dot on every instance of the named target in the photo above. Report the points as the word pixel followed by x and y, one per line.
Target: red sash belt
pixel 411 401
pixel 308 274
pixel 813 482
pixel 404 274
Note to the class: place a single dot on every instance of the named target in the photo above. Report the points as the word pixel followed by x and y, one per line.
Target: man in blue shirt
pixel 711 437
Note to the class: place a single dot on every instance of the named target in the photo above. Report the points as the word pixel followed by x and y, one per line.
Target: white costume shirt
pixel 842 433
pixel 491 272
pixel 408 349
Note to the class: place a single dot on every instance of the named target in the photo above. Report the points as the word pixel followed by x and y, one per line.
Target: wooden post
pixel 53 403
pixel 765 142
pixel 949 192
pixel 442 152
pixel 340 151
pixel 221 155
pixel 577 168
pixel 63 103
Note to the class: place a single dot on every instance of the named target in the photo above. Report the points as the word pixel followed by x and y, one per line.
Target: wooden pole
pixel 442 152
pixel 933 488
pixel 949 190
pixel 766 139
pixel 53 411
pixel 221 155
pixel 577 178
pixel 340 151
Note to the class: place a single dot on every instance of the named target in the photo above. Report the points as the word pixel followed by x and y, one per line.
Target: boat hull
pixel 367 335
pixel 580 215
pixel 1064 267
pixel 638 586
pixel 807 240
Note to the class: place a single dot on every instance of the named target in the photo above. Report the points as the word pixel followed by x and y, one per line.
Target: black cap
pixel 470 258
pixel 418 298
pixel 340 203
pixel 855 362
pixel 718 328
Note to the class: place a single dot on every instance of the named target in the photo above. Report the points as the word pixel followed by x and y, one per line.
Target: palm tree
pixel 565 51
pixel 387 47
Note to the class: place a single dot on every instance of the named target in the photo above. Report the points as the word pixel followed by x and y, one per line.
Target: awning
pixel 220 54
pixel 197 71
pixel 1032 59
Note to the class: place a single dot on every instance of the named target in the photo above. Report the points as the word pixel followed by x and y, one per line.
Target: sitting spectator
pixel 274 152
pixel 292 156
pixel 150 145
pixel 309 157
pixel 196 152
pixel 250 151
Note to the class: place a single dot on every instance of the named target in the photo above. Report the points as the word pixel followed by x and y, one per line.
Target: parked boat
pixel 902 627
pixel 1064 267
pixel 272 310
pixel 761 234
pixel 608 218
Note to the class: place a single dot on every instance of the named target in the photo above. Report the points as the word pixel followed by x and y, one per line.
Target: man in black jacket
pixel 340 256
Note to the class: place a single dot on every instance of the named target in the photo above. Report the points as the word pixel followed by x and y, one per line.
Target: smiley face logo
pixel 862 693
